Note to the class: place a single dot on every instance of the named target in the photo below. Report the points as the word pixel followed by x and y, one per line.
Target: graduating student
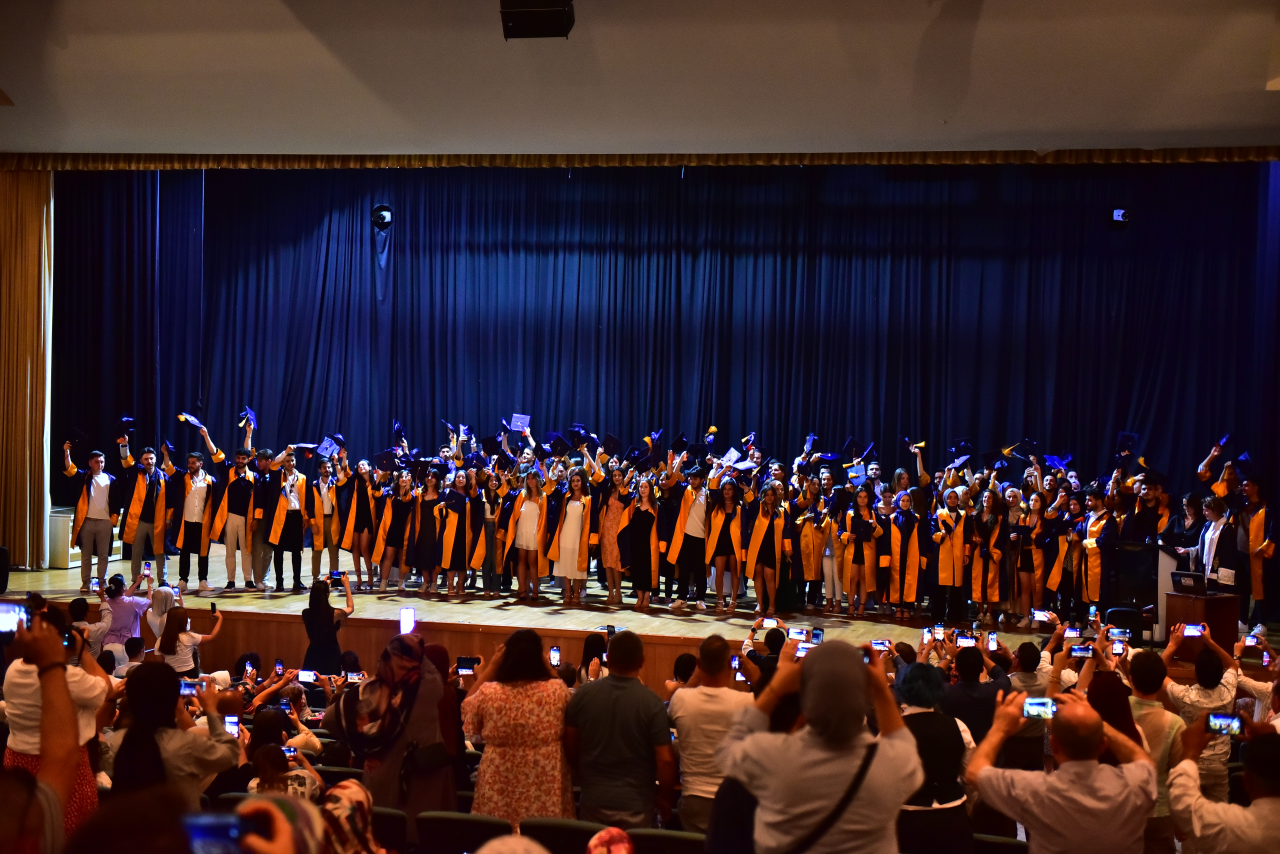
pixel 1048 544
pixel 1257 540
pixel 233 506
pixel 688 545
pixel 610 500
pixel 884 509
pixel 147 512
pixel 571 540
pixel 990 541
pixel 724 540
pixel 322 510
pixel 363 522
pixel 859 531
pixel 492 490
pixel 1032 569
pixel 266 501
pixel 289 519
pixel 813 550
pixel 638 542
pixel 190 493
pixel 460 521
pixel 763 520
pixel 904 555
pixel 1096 532
pixel 96 517
pixel 394 530
pixel 953 535
pixel 1068 582
pixel 522 528
pixel 426 557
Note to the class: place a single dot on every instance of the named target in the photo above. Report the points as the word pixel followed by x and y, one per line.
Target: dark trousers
pixel 814 594
pixel 949 604
pixel 1068 607
pixel 932 831
pixel 692 584
pixel 669 573
pixel 291 542
pixel 191 532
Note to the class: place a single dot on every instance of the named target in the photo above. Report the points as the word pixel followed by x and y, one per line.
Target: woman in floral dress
pixel 517 706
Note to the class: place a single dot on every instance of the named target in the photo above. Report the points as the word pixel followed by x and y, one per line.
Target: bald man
pixel 1084 801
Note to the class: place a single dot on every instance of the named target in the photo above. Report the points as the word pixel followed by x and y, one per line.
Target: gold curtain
pixel 1078 156
pixel 26 290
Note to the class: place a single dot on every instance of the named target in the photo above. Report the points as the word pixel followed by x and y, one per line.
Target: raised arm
pixel 217 627
pixel 214 454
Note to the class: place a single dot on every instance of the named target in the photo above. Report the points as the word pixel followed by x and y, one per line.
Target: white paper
pixel 730 457
pixel 1226 576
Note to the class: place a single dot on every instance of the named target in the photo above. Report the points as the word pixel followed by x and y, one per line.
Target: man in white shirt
pixel 293 487
pixel 325 535
pixel 1085 801
pixel 701 712
pixel 134 648
pixel 688 549
pixel 194 488
pixel 1215 691
pixel 1219 828
pixel 95 517
pixel 93 633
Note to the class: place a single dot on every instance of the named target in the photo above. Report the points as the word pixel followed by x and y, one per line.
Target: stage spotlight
pixel 536 19
pixel 382 217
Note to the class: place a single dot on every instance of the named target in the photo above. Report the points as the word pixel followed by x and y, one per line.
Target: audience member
pixel 1163 732
pixel 156 751
pixel 971 701
pixel 134 648
pixel 680 673
pixel 1025 749
pixel 1215 692
pixel 178 644
pixel 934 818
pixel 594 650
pixel 701 712
pixel 94 632
pixel 1082 802
pixel 1212 827
pixel 618 740
pixel 517 706
pixel 450 713
pixel 126 608
pixel 829 787
pixel 322 621
pixel 291 775
pixel 163 600
pixel 759 668
pixel 1109 697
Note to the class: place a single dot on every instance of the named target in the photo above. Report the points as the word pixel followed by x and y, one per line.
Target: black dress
pixel 639 530
pixel 426 553
pixel 323 653
pixel 724 545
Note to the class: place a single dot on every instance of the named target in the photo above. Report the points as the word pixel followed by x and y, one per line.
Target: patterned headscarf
pixel 347 812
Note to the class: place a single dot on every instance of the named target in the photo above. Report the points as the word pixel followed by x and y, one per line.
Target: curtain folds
pixel 26 283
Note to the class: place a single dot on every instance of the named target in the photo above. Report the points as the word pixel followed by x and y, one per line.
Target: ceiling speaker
pixel 536 19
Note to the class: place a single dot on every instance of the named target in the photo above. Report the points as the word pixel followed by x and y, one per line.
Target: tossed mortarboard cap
pixel 911 446
pixel 808 442
pixel 464 431
pixel 397 432
pixel 386 461
pixel 803 468
pixel 850 447
pixel 503 461
pixel 633 455
pixel 473 460
pixel 745 465
pixel 1245 466
pixel 652 439
pixel 190 419
pixel 505 426
pixel 612 445
pixel 680 444
pixel 959 462
pixel 869 453
pixel 307 448
pixel 78 436
pixel 993 459
pixel 857 480
pixel 1226 437
pixel 698 453
pixel 711 436
pixel 448 426
pixel 826 460
pixel 126 425
pixel 490 445
pixel 748 441
pixel 248 416
pixel 1030 447
pixel 328 447
pixel 962 446
pixel 650 462
pixel 541 452
pixel 1057 462
pixel 574 436
pixel 694 471
pixel 1126 444
pixel 559 445
pixel 168 446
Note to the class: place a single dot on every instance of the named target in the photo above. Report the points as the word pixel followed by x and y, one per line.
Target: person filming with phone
pixel 1214 691
pixel 322 621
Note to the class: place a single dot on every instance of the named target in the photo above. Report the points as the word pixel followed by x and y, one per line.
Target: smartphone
pixel 1093 612
pixel 232 724
pixel 285 705
pixel 993 642
pixel 213 607
pixel 408 619
pixel 554 657
pixel 146 569
pixel 767 622
pixel 738 677
pixel 1266 658
pixel 800 634
pixel 734 663
pixel 188 688
pixel 221 832
pixel 1071 633
pixel 939 631
pixel 1119 634
pixel 1042 616
pixel 1117 647
pixel 926 635
pixel 803 649
pixel 1081 650
pixel 1250 640
pixel 882 645
pixel 1224 724
pixel 610 631
pixel 290 752
pixel 467 665
pixel 1041 708
pixel 10 614
pixel 279 666
pixel 817 635
pixel 93 584
pixel 604 658
pixel 336 575
pixel 966 640
pixel 307 675
pixel 1192 631
pixel 355 677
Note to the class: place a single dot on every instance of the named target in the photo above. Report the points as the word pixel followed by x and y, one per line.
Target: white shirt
pixel 1224 828
pixel 1191 700
pixel 99 497
pixel 183 658
pixel 193 506
pixel 95 632
pixel 701 717
pixel 696 523
pixel 1211 545
pixel 325 503
pixel 291 489
pixel 22 704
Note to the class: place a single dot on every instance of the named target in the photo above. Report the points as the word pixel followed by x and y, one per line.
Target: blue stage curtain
pixel 994 302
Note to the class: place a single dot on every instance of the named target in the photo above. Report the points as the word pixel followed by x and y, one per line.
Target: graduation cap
pixel 575 436
pixel 858 479
pixel 422 469
pixel 541 452
pixel 745 466
pixel 1030 447
pixel 711 436
pixel 826 459
pixel 329 447
pixel 503 461
pixel 448 425
pixel 1226 437
pixel 1246 468
pixel 993 459
pixel 491 445
pixel 652 440
pixel 308 448
pixel 869 453
pixel 386 460
pixel 190 419
pixel 249 417
pixel 650 462
pixel 1126 444
pixel 1057 462
pixel 506 427
pixel 168 446
pixel 633 456
pixel 748 441
pixel 559 446
pixel 911 446
pixel 464 431
pixel 959 462
pixel 78 436
pixel 591 440
pixel 612 445
pixel 962 446
pixel 698 453
pixel 850 447
pixel 397 432
pixel 473 460
pixel 808 442
pixel 680 444
pixel 126 426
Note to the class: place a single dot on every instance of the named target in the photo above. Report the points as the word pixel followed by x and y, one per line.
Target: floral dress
pixel 609 525
pixel 523 773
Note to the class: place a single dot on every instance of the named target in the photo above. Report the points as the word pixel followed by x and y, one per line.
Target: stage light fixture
pixel 536 19
pixel 382 217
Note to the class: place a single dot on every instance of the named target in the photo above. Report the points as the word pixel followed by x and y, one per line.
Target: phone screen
pixel 467 665
pixel 1250 640
pixel 733 663
pixel 803 649
pixel 10 614
pixel 1071 633
pixel 290 751
pixel 993 642
pixel 188 688
pixel 1117 647
pixel 1193 631
pixel 797 634
pixel 1042 616
pixel 1118 634
pixel 769 623
pixel 336 575
pixel 355 677
pixel 939 632
pixel 817 635
pixel 146 568
pixel 610 631
pixel 1093 611
pixel 1224 724
pixel 738 677
pixel 306 676
pixel 232 724
pixel 93 585
pixel 1266 659
pixel 965 640
pixel 882 645
pixel 1081 650
pixel 279 667
pixel 215 832
pixel 554 657
pixel 1041 708
pixel 285 705
pixel 408 619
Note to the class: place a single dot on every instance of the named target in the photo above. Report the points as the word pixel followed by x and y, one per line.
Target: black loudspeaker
pixel 536 19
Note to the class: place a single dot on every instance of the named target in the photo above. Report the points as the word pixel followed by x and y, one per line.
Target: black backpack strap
pixel 832 817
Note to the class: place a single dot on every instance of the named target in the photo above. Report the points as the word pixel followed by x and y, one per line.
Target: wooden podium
pixel 1219 610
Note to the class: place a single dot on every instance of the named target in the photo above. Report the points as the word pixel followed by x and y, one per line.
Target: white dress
pixel 527 527
pixel 570 542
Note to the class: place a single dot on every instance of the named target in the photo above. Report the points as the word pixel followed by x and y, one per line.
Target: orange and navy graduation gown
pixel 459 531
pixel 182 482
pixel 368 494
pixel 859 532
pixel 223 504
pixel 282 505
pixel 985 568
pixel 588 536
pixel 1262 554
pixel 314 510
pixel 953 535
pixel 759 525
pixel 628 549
pixel 87 486
pixel 1049 541
pixel 395 506
pixel 905 558
pixel 137 484
pixel 1094 535
pixel 813 525
pixel 509 521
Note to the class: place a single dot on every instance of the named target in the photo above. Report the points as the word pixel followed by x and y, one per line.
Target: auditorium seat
pixel 459 833
pixel 1127 618
pixel 464 800
pixel 390 828
pixel 649 841
pixel 1235 790
pixel 332 774
pixel 984 844
pixel 228 801
pixel 560 834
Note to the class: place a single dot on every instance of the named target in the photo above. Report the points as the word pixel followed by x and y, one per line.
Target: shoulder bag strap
pixel 832 817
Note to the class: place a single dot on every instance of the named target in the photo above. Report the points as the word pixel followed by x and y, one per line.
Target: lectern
pixel 1219 610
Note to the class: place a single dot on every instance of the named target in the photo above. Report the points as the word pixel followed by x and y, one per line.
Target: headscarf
pixel 371 727
pixel 1109 697
pixel 611 840
pixel 308 825
pixel 347 811
pixel 833 692
pixel 512 845
pixel 900 516
pixel 162 601
pixel 448 707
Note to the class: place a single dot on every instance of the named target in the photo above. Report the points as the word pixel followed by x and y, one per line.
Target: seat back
pixel 984 844
pixel 459 833
pixel 331 774
pixel 390 828
pixel 649 841
pixel 560 834
pixel 228 801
